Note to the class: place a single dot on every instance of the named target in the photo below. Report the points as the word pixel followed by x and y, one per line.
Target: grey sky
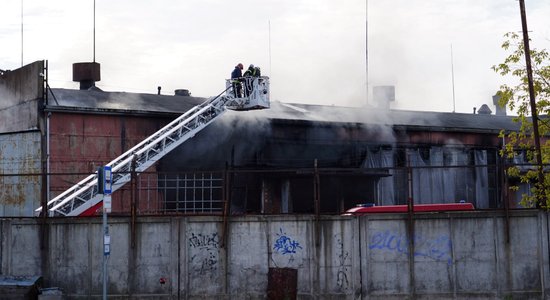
pixel 317 47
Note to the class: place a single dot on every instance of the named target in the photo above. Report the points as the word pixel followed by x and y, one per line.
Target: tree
pixel 516 98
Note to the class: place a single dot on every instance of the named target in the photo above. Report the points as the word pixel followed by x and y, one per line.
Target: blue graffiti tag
pixel 286 245
pixel 438 249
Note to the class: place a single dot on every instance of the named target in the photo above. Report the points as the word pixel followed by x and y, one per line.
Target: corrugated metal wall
pixel 20 154
pixel 80 143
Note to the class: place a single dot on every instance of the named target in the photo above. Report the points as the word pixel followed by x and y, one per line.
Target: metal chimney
pixel 383 95
pixel 501 111
pixel 87 73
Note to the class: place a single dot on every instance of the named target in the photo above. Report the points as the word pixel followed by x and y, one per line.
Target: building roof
pixel 421 120
pixel 95 101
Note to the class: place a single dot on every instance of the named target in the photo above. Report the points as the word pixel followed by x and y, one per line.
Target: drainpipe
pixel 317 202
pixel 505 193
pixel 410 223
pixel 48 156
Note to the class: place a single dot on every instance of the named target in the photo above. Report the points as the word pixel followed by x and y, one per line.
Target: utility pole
pixel 534 114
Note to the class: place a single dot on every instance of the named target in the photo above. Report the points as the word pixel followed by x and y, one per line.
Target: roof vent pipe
pixel 484 110
pixel 182 92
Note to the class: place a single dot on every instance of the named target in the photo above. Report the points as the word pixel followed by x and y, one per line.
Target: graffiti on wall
pixel 437 248
pixel 342 274
pixel 285 244
pixel 204 241
pixel 205 253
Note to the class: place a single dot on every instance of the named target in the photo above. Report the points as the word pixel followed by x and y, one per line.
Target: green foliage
pixel 516 98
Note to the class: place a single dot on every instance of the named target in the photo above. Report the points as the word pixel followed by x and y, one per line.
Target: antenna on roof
pixel 269 35
pixel 453 77
pixel 21 33
pixel 269 50
pixel 367 50
pixel 94 30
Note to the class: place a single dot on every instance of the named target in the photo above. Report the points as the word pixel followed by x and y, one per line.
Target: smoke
pixel 303 133
pixel 234 138
pixel 314 51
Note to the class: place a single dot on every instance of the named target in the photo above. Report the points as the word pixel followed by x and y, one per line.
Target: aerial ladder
pixel 83 198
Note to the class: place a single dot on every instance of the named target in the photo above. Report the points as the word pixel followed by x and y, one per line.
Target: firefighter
pixel 249 75
pixel 251 71
pixel 236 78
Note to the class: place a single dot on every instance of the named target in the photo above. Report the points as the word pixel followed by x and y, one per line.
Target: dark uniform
pixel 236 80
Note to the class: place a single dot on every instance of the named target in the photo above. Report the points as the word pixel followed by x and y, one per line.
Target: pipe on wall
pixel 48 197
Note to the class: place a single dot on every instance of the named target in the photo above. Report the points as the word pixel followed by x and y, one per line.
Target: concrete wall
pixel 21 93
pixel 456 256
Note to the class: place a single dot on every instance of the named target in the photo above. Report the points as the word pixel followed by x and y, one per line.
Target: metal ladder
pixel 84 195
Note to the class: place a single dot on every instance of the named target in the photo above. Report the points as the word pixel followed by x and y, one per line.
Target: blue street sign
pixel 105 180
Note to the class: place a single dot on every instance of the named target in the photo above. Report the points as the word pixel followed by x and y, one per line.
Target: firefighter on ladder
pixel 236 78
pixel 249 76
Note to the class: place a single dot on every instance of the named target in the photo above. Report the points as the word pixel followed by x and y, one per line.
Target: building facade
pixel 292 158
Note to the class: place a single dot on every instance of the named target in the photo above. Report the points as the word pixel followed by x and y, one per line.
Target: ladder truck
pixel 83 199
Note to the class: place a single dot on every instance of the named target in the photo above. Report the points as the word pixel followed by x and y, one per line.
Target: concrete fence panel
pixel 475 255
